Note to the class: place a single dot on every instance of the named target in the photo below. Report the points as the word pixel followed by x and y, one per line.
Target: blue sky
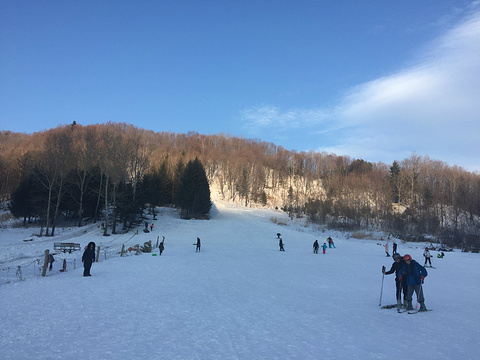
pixel 377 80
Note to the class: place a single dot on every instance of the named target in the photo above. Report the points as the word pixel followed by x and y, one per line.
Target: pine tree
pixel 194 192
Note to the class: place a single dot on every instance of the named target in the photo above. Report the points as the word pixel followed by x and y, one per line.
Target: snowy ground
pixel 240 298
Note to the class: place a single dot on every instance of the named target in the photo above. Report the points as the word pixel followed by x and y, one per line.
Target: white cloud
pixel 431 108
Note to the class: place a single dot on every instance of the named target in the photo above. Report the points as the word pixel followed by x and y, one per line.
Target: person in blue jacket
pixel 414 274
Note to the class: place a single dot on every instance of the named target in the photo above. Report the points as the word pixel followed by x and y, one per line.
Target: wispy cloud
pixel 257 119
pixel 431 108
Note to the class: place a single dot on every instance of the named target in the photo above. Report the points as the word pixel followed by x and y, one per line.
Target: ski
pixel 400 311
pixel 417 311
pixel 389 306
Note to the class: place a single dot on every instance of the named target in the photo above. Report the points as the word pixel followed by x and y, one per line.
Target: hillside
pixel 239 298
pixel 79 171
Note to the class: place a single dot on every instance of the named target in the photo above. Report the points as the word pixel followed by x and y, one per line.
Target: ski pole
pixel 381 291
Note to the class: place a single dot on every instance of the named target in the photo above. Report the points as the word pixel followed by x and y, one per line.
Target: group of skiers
pixel 409 277
pixel 316 245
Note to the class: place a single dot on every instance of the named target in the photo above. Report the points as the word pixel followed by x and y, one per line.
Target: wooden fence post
pixel 123 248
pixel 45 262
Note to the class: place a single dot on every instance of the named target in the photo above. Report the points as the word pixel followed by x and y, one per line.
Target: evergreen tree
pixel 194 192
pixel 395 179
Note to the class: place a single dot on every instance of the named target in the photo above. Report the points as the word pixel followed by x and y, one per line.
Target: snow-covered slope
pixel 239 298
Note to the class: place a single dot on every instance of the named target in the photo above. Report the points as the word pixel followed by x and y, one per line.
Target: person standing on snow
pixel 161 247
pixel 88 258
pixel 394 247
pixel 197 249
pixel 330 242
pixel 280 244
pixel 414 273
pixel 401 286
pixel 324 247
pixel 315 247
pixel 386 249
pixel 427 256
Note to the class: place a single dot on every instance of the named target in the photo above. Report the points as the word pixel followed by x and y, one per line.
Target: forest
pixel 116 170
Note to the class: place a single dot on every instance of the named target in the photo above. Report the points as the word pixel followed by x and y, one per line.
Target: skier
pixel 280 244
pixel 386 249
pixel 330 242
pixel 440 255
pixel 197 249
pixel 315 247
pixel 88 258
pixel 278 235
pixel 401 286
pixel 151 227
pixel 427 256
pixel 161 247
pixel 414 273
pixel 394 247
pixel 324 247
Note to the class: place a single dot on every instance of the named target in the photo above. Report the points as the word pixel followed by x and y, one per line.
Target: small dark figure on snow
pixel 427 256
pixel 394 247
pixel 88 258
pixel 414 273
pixel 401 286
pixel 151 227
pixel 278 235
pixel 161 247
pixel 197 249
pixel 280 244
pixel 440 255
pixel 51 259
pixel 315 247
pixel 146 225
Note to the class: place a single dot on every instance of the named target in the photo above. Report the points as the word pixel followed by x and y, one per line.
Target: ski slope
pixel 239 298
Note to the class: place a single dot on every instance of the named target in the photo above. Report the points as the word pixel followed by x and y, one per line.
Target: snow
pixel 239 298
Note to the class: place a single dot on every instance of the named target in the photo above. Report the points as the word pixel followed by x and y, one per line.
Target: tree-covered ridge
pixel 415 196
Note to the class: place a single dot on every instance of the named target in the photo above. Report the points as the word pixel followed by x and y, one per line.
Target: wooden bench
pixel 66 247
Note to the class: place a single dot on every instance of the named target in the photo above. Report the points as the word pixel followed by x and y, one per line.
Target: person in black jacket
pixel 88 258
pixel 315 247
pixel 161 247
pixel 401 286
pixel 197 249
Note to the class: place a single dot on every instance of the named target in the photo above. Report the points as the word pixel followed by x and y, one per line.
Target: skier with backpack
pixel 414 273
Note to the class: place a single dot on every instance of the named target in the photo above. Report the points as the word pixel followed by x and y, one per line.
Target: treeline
pixel 411 198
pixel 88 172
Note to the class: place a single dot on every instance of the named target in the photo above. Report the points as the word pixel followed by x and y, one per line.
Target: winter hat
pixel 407 257
pixel 396 256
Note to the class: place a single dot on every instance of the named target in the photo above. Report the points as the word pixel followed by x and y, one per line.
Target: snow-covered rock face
pixel 239 298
